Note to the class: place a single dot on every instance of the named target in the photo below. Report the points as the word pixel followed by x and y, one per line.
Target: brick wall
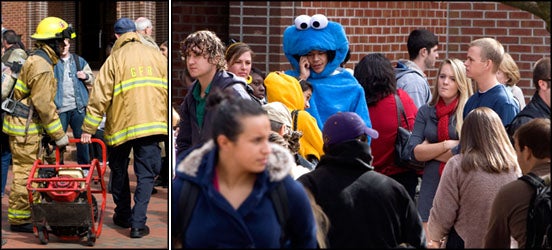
pixel 187 17
pixel 373 26
pixel 150 9
pixel 23 16
pixel 162 23
pixel 12 13
pixel 522 34
pixel 63 10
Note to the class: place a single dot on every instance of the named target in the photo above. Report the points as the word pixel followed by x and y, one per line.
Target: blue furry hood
pixel 302 37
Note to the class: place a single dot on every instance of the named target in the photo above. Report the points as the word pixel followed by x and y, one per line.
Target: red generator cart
pixel 68 207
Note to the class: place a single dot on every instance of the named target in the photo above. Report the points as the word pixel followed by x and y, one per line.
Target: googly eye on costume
pixel 302 22
pixel 319 22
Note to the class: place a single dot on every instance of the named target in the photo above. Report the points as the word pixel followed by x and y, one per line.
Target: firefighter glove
pixel 63 141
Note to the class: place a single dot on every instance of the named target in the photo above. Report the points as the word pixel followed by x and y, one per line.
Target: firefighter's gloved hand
pixel 63 141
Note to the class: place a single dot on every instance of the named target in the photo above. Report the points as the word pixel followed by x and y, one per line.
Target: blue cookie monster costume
pixel 334 89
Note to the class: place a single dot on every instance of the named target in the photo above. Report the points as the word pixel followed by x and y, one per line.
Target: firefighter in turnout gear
pixel 132 91
pixel 32 112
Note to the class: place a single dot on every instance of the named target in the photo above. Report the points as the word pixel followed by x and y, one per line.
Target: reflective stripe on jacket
pixel 36 85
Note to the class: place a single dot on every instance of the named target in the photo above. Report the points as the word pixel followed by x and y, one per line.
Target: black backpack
pixel 188 198
pixel 539 229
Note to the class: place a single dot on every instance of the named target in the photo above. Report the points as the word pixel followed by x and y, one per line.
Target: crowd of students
pixel 347 123
pixel 323 134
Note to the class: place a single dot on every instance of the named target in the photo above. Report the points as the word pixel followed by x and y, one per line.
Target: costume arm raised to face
pixel 315 33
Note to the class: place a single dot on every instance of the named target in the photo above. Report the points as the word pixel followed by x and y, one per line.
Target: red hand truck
pixel 68 207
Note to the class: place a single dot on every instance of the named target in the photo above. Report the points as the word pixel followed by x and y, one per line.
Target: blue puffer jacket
pixel 216 224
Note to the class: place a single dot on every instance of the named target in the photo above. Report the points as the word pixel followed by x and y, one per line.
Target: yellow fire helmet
pixel 53 28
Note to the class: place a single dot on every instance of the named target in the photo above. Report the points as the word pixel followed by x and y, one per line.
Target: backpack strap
pixel 533 180
pixel 400 110
pixel 77 62
pixel 538 228
pixel 294 117
pixel 280 202
pixel 186 205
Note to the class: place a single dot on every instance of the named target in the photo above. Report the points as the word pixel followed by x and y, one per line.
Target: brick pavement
pixel 111 235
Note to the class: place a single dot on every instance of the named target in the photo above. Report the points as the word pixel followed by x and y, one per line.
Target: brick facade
pixel 24 16
pixel 187 17
pixel 371 26
pixel 156 11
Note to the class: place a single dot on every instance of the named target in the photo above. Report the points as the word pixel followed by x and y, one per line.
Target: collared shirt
pixel 200 107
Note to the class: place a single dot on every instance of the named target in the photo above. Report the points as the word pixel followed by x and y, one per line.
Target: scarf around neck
pixel 443 112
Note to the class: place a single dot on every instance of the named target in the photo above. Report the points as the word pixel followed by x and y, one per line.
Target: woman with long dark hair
pixel 375 74
pixel 235 173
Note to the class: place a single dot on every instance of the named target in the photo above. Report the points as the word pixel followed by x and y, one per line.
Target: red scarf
pixel 443 112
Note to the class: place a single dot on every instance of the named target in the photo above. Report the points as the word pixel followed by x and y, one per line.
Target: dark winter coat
pixel 216 224
pixel 536 108
pixel 190 132
pixel 366 209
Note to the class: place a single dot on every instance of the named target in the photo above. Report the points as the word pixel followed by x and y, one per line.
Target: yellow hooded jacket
pixel 36 85
pixel 287 90
pixel 132 90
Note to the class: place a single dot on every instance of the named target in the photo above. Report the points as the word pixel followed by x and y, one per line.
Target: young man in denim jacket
pixel 72 96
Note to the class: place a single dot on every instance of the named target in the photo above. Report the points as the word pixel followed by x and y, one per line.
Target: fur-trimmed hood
pixel 280 161
pixel 215 223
